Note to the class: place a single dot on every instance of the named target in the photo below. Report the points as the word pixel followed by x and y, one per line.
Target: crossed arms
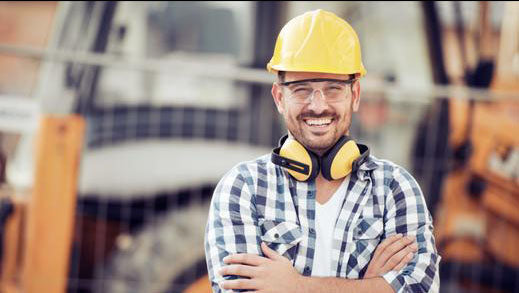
pixel 274 273
pixel 237 259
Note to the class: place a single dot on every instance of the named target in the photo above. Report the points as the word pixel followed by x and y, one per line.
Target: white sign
pixel 18 114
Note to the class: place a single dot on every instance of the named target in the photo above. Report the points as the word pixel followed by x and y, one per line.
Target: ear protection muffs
pixel 304 165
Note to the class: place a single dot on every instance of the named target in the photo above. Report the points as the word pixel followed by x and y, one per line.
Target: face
pixel 318 124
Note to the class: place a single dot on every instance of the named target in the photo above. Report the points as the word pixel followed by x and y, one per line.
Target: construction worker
pixel 319 214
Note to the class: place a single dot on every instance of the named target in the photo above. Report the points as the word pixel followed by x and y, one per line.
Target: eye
pixel 302 90
pixel 334 88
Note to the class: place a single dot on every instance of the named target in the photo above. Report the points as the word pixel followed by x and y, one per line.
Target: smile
pixel 320 122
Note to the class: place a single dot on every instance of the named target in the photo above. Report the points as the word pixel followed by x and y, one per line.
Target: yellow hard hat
pixel 317 41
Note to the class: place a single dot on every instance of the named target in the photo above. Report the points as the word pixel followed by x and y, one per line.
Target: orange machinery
pixel 477 220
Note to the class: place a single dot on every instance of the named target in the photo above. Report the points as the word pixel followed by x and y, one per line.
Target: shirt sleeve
pixel 406 213
pixel 232 223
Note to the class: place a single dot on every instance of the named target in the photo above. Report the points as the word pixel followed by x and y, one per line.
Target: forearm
pixel 329 284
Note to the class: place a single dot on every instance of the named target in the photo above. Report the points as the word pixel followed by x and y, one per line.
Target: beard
pixel 318 143
pixel 321 144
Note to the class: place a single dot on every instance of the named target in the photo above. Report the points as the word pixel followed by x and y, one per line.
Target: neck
pixel 320 153
pixel 325 189
pixel 320 180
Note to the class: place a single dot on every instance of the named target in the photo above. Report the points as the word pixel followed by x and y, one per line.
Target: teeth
pixel 319 121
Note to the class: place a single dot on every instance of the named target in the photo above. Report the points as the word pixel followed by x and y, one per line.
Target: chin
pixel 316 142
pixel 320 144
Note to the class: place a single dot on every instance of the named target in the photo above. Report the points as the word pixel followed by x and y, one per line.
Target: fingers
pixel 391 254
pixel 270 253
pixel 377 261
pixel 238 270
pixel 387 242
pixel 400 258
pixel 404 261
pixel 239 284
pixel 245 258
pixel 395 247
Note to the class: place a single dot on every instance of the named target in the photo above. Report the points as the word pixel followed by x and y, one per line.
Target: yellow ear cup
pixel 293 150
pixel 342 163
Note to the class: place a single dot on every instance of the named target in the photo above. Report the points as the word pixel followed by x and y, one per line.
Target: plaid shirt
pixel 258 201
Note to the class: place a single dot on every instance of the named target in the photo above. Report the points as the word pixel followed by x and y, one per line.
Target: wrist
pixel 303 284
pixel 369 274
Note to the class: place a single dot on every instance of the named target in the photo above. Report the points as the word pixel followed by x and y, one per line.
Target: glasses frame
pixel 288 83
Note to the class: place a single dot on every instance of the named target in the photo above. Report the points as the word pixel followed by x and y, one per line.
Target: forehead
pixel 291 76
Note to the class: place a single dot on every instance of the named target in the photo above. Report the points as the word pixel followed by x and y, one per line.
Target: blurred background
pixel 117 120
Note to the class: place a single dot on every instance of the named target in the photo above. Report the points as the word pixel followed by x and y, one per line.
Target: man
pixel 319 214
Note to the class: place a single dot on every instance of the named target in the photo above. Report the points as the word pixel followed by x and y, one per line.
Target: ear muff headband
pixel 304 165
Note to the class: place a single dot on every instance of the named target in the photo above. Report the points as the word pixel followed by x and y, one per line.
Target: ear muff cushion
pixel 293 150
pixel 343 161
pixel 337 163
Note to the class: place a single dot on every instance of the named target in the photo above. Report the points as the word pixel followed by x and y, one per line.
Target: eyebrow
pixel 303 81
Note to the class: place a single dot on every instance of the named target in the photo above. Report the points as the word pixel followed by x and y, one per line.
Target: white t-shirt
pixel 325 218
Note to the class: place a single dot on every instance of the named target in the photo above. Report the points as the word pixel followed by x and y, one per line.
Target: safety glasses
pixel 303 91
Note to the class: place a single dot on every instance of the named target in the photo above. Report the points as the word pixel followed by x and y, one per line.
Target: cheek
pixel 344 115
pixel 342 112
pixel 291 113
pixel 348 109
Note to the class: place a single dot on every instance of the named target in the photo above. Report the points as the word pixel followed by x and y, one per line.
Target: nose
pixel 317 104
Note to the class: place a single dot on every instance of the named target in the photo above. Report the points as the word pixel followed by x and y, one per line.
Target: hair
pixel 281 76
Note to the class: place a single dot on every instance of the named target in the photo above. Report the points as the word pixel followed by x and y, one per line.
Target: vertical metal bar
pixel 86 100
pixel 268 25
pixel 435 41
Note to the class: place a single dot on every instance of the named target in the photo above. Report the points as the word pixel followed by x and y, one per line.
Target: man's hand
pixel 273 273
pixel 392 254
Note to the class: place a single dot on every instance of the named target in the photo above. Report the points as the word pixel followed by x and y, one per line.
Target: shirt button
pixel 276 235
pixel 312 231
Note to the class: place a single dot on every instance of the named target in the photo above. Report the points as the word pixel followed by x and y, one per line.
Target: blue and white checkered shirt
pixel 258 201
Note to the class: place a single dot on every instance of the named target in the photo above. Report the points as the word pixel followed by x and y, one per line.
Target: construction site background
pixel 117 120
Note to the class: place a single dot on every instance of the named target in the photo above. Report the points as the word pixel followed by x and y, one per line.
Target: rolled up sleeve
pixel 232 223
pixel 406 213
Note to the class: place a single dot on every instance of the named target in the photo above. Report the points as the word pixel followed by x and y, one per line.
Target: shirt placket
pixel 356 197
pixel 305 197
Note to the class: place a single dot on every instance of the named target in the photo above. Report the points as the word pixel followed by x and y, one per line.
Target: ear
pixel 277 95
pixel 355 96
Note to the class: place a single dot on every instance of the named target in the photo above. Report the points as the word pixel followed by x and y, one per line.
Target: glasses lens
pixel 335 92
pixel 332 91
pixel 301 93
